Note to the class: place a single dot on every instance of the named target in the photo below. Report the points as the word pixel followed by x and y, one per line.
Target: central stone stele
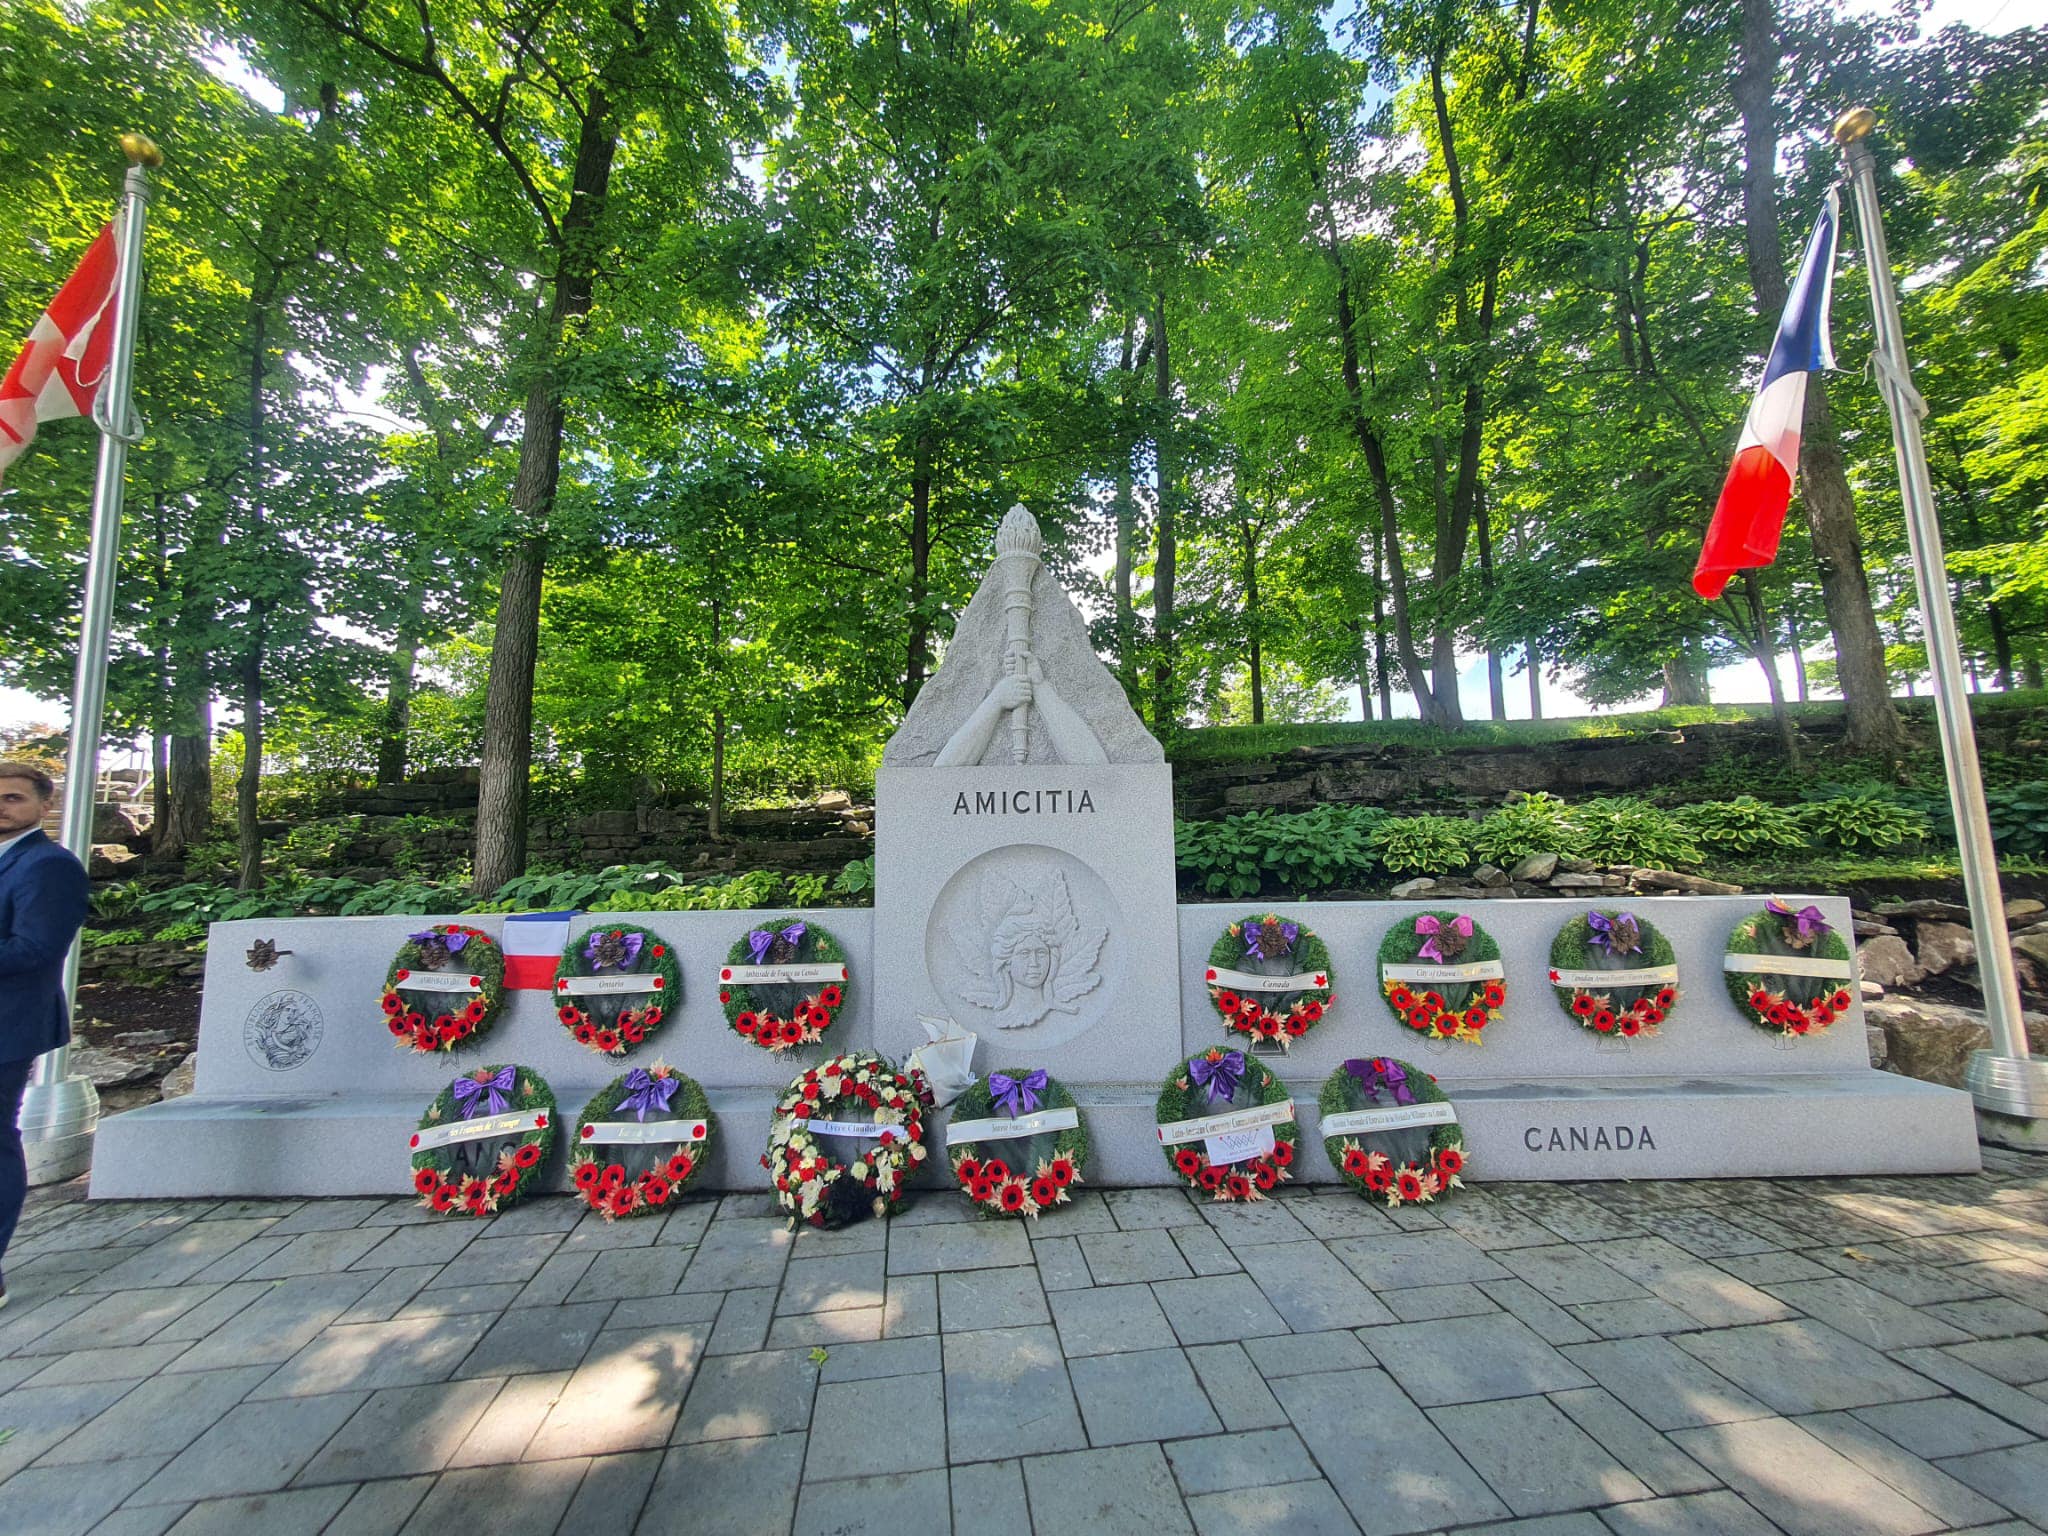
pixel 1024 845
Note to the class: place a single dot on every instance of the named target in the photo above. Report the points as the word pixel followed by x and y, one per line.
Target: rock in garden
pixel 1868 927
pixel 1879 1047
pixel 142 1039
pixel 2023 912
pixel 2033 945
pixel 109 860
pixel 1408 889
pixel 1944 946
pixel 1887 962
pixel 1535 868
pixel 178 1081
pixel 1490 875
pixel 1926 906
pixel 1871 990
pixel 1933 1041
pixel 109 1069
pixel 1692 885
pixel 1578 882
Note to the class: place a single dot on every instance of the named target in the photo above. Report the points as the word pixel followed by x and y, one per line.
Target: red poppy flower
pixel 607 1040
pixel 1401 998
pixel 1631 1026
pixel 1759 999
pixel 1408 1184
pixel 1282 1153
pixel 1493 994
pixel 631 1032
pixel 654 1188
pixel 660 950
pixel 474 1196
pixel 1238 1187
pixel 526 1154
pixel 392 1003
pixel 622 1200
pixel 398 1026
pixel 982 1189
pixel 1379 1179
pixel 1355 1162
pixel 1312 1010
pixel 1840 1000
pixel 1650 1015
pixel 1450 1160
pixel 444 1198
pixel 995 1168
pixel 830 996
pixel 426 1181
pixel 1297 1024
pixel 1666 996
pixel 1062 1172
pixel 1822 1015
pixel 1044 1191
pixel 746 1021
pixel 1188 1162
pixel 1265 1175
pixel 679 1166
pixel 584 1033
pixel 1212 1177
pixel 1584 1004
pixel 1421 1016
pixel 589 1175
pixel 1603 1021
pixel 423 1038
pixel 1013 1196
pixel 1228 1003
pixel 649 1017
pixel 725 997
pixel 614 1177
pixel 967 1170
pixel 1798 1026
pixel 792 1032
pixel 1475 1018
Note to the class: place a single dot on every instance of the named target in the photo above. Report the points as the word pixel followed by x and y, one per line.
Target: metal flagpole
pixel 2005 1081
pixel 61 1110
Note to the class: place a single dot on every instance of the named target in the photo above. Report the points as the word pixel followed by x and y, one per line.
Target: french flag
pixel 1750 515
pixel 533 946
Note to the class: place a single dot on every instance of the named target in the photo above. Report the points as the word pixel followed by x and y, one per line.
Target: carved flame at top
pixel 1019 534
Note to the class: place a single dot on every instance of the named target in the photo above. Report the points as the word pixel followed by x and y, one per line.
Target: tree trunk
pixel 1535 680
pixel 1760 647
pixel 1379 632
pixel 1496 676
pixel 393 736
pixel 507 759
pixel 917 648
pixel 1796 645
pixel 1165 693
pixel 1126 614
pixel 1249 542
pixel 1683 685
pixel 714 823
pixel 188 811
pixel 1874 727
pixel 248 830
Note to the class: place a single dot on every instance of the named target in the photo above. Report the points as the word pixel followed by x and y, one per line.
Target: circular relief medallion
pixel 282 1031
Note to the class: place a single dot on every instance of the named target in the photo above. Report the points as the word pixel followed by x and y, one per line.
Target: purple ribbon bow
pixel 627 943
pixel 1220 1076
pixel 1618 935
pixel 1433 927
pixel 761 938
pixel 1255 937
pixel 451 942
pixel 1017 1095
pixel 1812 923
pixel 486 1094
pixel 1379 1072
pixel 645 1091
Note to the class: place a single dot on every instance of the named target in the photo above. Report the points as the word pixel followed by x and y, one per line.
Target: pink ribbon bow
pixel 1432 927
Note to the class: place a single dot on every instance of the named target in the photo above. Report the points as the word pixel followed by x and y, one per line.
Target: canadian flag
pixel 533 945
pixel 59 371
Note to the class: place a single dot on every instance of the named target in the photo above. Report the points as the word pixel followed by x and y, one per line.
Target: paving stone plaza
pixel 1702 1359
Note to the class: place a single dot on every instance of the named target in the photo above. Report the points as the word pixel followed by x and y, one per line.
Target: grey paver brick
pixel 991 1298
pixel 253 1448
pixel 885 1505
pixel 1134 1209
pixel 988 1499
pixel 953 1246
pixel 408 1247
pixel 1237 1391
pixel 140 1520
pixel 535 1339
pixel 613 1276
pixel 401 1353
pixel 182 1256
pixel 126 1317
pixel 1297 1354
pixel 1488 1222
pixel 1283 1509
pixel 2016 1478
pixel 316 1253
pixel 1568 1275
pixel 160 1417
pixel 44 1416
pixel 1086 1210
pixel 612 1492
pixel 726 1488
pixel 1358 1424
pixel 400 1432
pixel 1869 1316
pixel 843 1281
pixel 448 1301
pixel 1535 1458
pixel 910 1306
pixel 1345 1216
pixel 1149 1394
pixel 1126 1488
pixel 515 1414
pixel 1469 1359
pixel 1898 1468
pixel 1216 1308
pixel 1669 1388
pixel 1260 1459
pixel 1310 1287
pixel 294 1512
pixel 1109 1319
pixel 555 1279
pixel 742 1397
pixel 1007 1394
pixel 1405 1259
pixel 737 1253
pixel 2017 1362
pixel 499 1260
pixel 811 1330
pixel 1633 1317
pixel 388 1296
pixel 624 1394
pixel 666 1311
pixel 69 1501
pixel 1204 1251
pixel 2030 1413
pixel 1689 1283
pixel 1993 1317
pixel 276 1322
pixel 884 1357
pixel 742 1325
pixel 525 1499
pixel 1125 1258
pixel 380 1509
pixel 1429 1303
pixel 335 1215
pixel 890 1424
pixel 1544 1317
pixel 1653 1458
pixel 1799 1483
pixel 84 1366
pixel 1719 1513
pixel 1262 1221
pixel 1941 1426
pixel 1060 1265
pixel 1803 1367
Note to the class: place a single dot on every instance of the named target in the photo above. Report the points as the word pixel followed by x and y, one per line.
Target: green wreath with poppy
pixel 1617 942
pixel 481 1176
pixel 1787 1005
pixel 1025 1175
pixel 639 1178
pixel 1442 1010
pixel 1184 1097
pixel 1408 1179
pixel 417 1015
pixel 779 1015
pixel 1266 945
pixel 813 1185
pixel 612 1023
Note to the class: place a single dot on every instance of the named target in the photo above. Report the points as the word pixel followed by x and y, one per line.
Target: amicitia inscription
pixel 1581 1138
pixel 1024 802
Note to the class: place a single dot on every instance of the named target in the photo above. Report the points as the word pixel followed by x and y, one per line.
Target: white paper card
pixel 1787 965
pixel 1239 1146
pixel 439 981
pixel 768 975
pixel 1471 970
pixel 1006 1129
pixel 514 1122
pixel 1600 981
pixel 1357 1122
pixel 1176 1131
pixel 1244 981
pixel 596 986
pixel 865 1129
pixel 641 1133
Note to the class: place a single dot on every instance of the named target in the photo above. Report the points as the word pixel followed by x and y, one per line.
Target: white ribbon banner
pixel 512 1123
pixel 769 975
pixel 1244 981
pixel 641 1133
pixel 1788 965
pixel 1357 1122
pixel 1471 970
pixel 1176 1131
pixel 1600 981
pixel 438 981
pixel 1007 1129
pixel 595 986
pixel 867 1130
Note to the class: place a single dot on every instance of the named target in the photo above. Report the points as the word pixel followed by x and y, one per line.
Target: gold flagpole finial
pixel 141 149
pixel 1854 124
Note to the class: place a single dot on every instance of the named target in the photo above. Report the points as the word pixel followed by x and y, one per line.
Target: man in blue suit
pixel 43 899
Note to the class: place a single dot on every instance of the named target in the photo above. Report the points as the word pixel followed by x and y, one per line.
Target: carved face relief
pixel 1017 939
